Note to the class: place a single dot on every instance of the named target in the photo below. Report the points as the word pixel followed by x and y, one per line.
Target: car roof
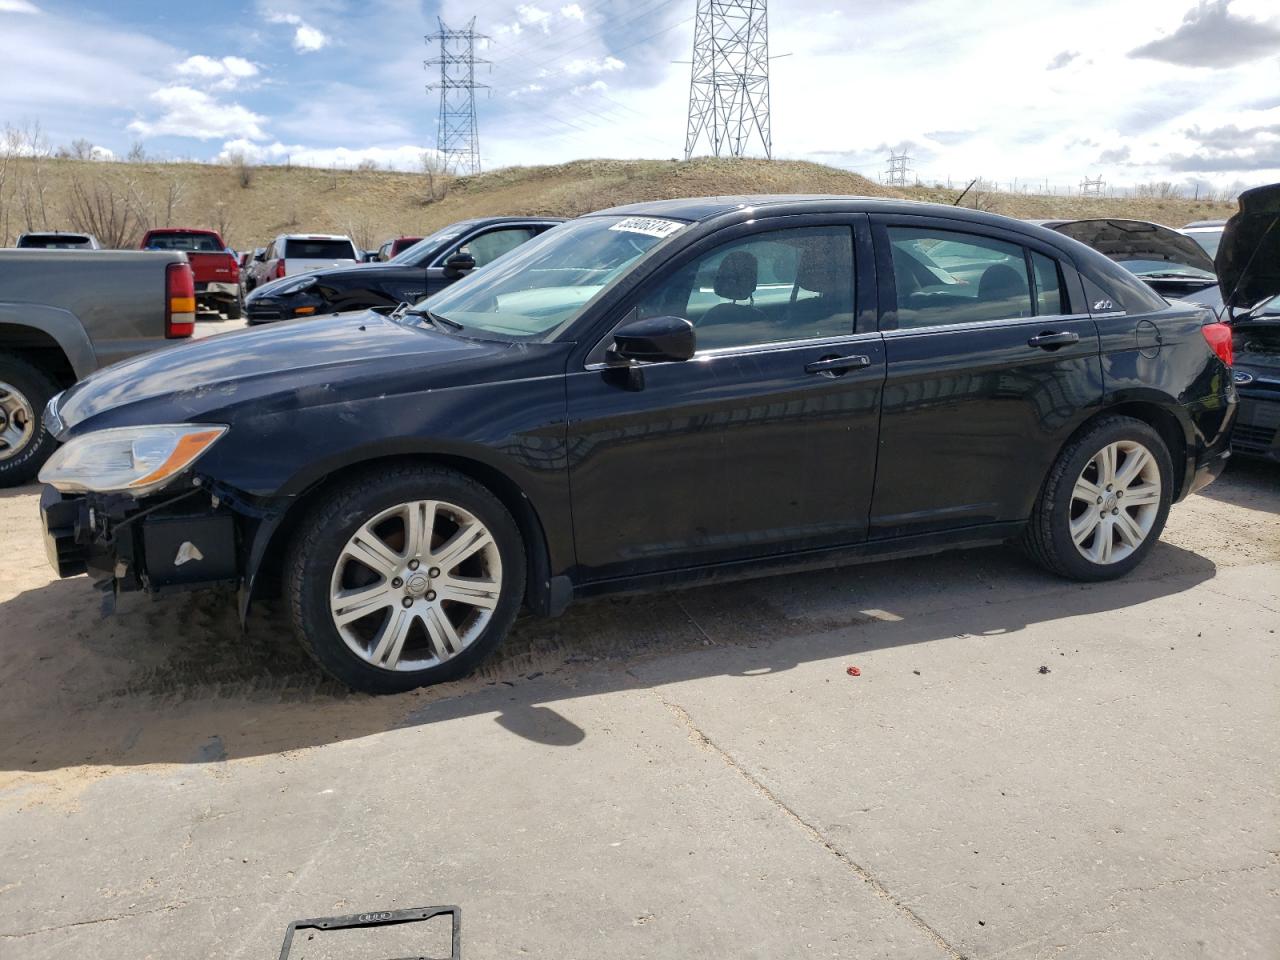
pixel 696 209
pixel 204 230
pixel 1204 224
pixel 312 236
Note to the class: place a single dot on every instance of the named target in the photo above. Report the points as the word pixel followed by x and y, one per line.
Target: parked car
pixel 429 265
pixel 58 240
pixel 289 255
pixel 1170 262
pixel 248 271
pixel 216 269
pixel 393 248
pixel 63 314
pixel 1248 263
pixel 655 394
pixel 1207 233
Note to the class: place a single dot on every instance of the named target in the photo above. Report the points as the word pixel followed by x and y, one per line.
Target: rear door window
pixel 1049 298
pixel 944 277
pixel 319 250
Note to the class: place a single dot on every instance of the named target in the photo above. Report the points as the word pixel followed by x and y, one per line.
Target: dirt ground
pixel 145 754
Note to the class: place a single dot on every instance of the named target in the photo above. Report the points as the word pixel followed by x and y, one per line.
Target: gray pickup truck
pixel 64 314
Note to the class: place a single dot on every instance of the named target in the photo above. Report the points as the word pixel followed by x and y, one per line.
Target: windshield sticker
pixel 649 226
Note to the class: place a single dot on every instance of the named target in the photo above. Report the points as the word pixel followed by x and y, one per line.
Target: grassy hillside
pixel 249 205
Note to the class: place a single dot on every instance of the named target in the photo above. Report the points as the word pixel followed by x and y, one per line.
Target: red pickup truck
pixel 215 267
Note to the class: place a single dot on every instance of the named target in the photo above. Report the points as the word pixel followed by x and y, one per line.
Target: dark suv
pixel 655 394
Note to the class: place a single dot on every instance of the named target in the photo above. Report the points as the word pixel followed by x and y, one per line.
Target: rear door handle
pixel 1053 338
pixel 835 366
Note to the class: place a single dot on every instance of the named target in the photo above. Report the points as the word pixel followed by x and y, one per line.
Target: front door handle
pixel 835 366
pixel 1054 338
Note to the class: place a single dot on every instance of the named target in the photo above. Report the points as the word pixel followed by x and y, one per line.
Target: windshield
pixel 191 242
pixel 1208 239
pixel 1148 267
pixel 547 282
pixel 412 256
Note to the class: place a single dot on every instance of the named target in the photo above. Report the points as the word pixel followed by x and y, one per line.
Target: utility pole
pixel 899 168
pixel 729 86
pixel 1091 188
pixel 457 137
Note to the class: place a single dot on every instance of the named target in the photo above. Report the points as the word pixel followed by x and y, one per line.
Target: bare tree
pixel 96 207
pixel 435 170
pixel 220 219
pixel 238 162
pixel 362 232
pixel 137 152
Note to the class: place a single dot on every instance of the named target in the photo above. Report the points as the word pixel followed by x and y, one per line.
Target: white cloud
pixel 222 73
pixel 97 152
pixel 573 12
pixel 526 89
pixel 596 86
pixel 404 157
pixel 18 6
pixel 590 66
pixel 306 38
pixel 187 112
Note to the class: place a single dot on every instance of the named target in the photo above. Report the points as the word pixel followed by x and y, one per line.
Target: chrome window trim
pixel 748 349
pixel 987 324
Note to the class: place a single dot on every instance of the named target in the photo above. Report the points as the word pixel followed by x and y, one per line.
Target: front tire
pixel 25 444
pixel 404 578
pixel 1104 503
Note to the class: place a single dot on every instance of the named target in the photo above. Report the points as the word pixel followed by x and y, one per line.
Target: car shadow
pixel 1247 482
pixel 176 681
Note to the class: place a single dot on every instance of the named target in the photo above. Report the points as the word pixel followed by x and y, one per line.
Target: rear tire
pixel 1083 527
pixel 25 444
pixel 235 310
pixel 404 577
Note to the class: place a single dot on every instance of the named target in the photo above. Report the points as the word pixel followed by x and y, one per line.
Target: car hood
pixel 272 369
pixel 1123 240
pixel 341 278
pixel 1248 260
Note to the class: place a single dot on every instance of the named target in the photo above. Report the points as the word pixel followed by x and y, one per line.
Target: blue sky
pixel 1133 90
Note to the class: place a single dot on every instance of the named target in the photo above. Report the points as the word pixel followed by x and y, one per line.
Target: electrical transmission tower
pixel 457 138
pixel 729 88
pixel 899 168
pixel 1091 188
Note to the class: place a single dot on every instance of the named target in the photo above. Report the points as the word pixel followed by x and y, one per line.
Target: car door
pixel 765 441
pixel 988 370
pixel 485 246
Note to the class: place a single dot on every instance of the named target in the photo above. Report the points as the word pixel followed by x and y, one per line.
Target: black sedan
pixel 429 265
pixel 655 394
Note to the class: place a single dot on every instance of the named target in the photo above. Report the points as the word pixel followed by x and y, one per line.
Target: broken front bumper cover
pixel 176 543
pixel 384 918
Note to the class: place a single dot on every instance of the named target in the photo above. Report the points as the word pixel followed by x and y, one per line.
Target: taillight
pixel 235 269
pixel 180 301
pixel 1218 336
pixel 279 269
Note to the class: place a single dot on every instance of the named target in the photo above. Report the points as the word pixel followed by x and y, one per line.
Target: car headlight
pixel 53 422
pixel 136 460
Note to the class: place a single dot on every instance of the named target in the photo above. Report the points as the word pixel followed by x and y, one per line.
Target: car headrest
pixel 736 278
pixel 821 273
pixel 1000 282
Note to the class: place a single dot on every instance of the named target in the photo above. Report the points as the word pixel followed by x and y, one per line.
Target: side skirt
pixel 916 545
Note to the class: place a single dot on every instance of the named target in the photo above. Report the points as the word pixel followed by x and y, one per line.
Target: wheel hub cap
pixel 17 422
pixel 1115 502
pixel 415 585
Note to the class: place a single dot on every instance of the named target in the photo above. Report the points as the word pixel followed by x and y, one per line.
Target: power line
pixel 729 85
pixel 457 138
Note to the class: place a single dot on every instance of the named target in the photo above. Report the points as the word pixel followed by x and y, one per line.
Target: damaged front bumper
pixel 190 541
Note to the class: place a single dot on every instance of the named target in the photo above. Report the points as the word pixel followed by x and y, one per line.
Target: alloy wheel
pixel 415 585
pixel 1115 502
pixel 17 421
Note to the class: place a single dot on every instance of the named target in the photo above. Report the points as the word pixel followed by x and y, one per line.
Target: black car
pixel 429 265
pixel 1173 264
pixel 1248 261
pixel 651 395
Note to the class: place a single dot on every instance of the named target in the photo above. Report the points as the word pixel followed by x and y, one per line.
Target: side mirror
pixel 653 340
pixel 458 264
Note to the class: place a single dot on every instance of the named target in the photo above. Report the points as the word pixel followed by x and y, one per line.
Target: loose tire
pixel 25 444
pixel 1104 503
pixel 404 578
